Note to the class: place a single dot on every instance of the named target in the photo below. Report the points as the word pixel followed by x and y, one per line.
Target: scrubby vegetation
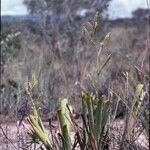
pixel 82 76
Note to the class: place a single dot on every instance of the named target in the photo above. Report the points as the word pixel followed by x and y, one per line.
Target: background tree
pixel 64 15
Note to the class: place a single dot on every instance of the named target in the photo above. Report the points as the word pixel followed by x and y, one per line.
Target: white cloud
pixel 124 8
pixel 13 7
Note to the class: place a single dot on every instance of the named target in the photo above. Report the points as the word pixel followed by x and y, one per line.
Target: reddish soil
pixel 10 129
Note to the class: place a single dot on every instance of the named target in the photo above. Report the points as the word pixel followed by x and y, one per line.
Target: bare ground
pixel 12 136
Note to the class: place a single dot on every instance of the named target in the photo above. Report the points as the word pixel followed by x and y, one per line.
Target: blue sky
pixel 117 8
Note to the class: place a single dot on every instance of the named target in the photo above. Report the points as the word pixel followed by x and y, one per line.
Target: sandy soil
pixel 9 134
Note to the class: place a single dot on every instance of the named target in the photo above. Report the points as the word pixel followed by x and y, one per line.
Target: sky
pixel 116 9
pixel 124 8
pixel 13 7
